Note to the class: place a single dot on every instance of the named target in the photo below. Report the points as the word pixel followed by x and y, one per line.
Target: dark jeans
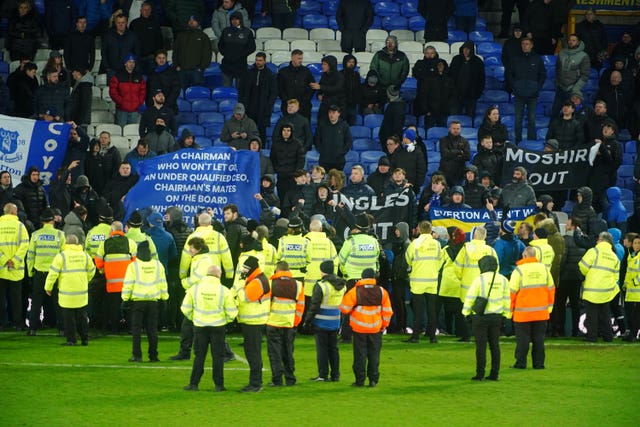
pixel 282 21
pixel 366 356
pixel 350 114
pixel 97 301
pixel 598 321
pixel 507 10
pixel 466 106
pixel 11 297
pixel 353 39
pixel 345 326
pixel 568 289
pixel 37 299
pixel 252 335
pixel 519 104
pixel 327 354
pixel 465 23
pixel 113 303
pixel 144 312
pixel 417 304
pixel 398 291
pixel 452 306
pixel 191 78
pixel 186 337
pixel 462 326
pixel 208 337
pixel 280 351
pixel 76 320
pixel 558 100
pixel 530 332
pixel 486 328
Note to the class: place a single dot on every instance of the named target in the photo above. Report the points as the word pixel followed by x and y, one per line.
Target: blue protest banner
pixel 25 143
pixel 197 179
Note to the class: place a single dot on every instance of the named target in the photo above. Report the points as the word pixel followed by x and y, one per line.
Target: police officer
pixel 14 243
pixel 369 309
pixel 210 306
pixel 532 293
pixel 424 257
pixel 292 248
pixel 72 269
pixel 601 269
pixel 359 252
pixel 253 312
pixel 44 245
pixel 287 307
pixel 144 285
pixel 324 315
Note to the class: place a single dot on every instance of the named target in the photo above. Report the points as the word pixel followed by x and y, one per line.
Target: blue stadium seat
pixel 396 22
pixel 308 7
pixel 434 156
pixel 386 8
pixel 4 67
pixel 546 96
pixel 273 67
pixel 365 144
pixel 409 9
pixel 333 24
pixel 186 117
pixel 226 106
pixel 532 145
pixel 549 60
pixel 360 132
pixel 542 122
pixel 312 157
pixel 481 36
pixel 213 130
pixel 626 194
pixel 373 120
pixel 498 73
pixel 410 84
pixel 183 106
pixel 506 108
pixel 465 121
pixel 628 159
pixel 549 85
pixel 204 142
pixel 491 60
pixel 371 156
pixel 541 134
pixel 416 23
pixel 487 47
pixel 197 92
pixel 274 118
pixel 481 24
pixel 352 156
pixel 630 147
pixel 495 96
pixel 210 117
pixel 222 92
pixel 624 135
pixel 456 36
pixel 204 105
pixel 629 206
pixel 435 133
pixel 195 129
pixel 330 7
pixel 315 67
pixel 260 21
pixel 213 75
pixel 314 21
pixel 625 171
pixel 507 120
pixel 469 133
pixel 370 167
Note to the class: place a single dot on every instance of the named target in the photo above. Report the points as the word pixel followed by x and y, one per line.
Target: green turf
pixel 45 384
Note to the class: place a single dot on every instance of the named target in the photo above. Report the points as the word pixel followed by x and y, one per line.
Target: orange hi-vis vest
pixel 287 300
pixel 113 257
pixel 532 291
pixel 368 306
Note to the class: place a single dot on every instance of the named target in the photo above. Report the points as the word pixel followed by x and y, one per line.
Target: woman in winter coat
pixel 492 126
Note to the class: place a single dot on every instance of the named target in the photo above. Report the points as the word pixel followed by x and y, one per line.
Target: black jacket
pixel 526 74
pixel 53 98
pixel 81 95
pixel 412 162
pixel 468 74
pixel 115 190
pixel 167 79
pixel 350 21
pixel 60 195
pixel 372 94
pixel 116 47
pixel 568 133
pixel 22 35
pixel 333 141
pixel 489 161
pixel 351 81
pixel 236 44
pixel 332 86
pixel 293 83
pixel 498 133
pixel 436 13
pixel 258 92
pixel 151 114
pixel 148 32
pixel 80 51
pixel 33 198
pixel 393 120
pixel 287 157
pixel 301 129
pixel 435 93
pixel 22 90
pixel 454 153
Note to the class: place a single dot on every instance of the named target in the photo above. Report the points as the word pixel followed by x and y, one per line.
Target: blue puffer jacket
pixel 95 11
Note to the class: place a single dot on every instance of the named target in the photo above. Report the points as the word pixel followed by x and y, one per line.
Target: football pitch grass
pixel 46 384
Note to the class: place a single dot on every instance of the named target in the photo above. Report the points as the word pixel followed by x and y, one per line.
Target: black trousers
pixel 186 337
pixel 144 312
pixel 534 333
pixel 76 321
pixel 353 39
pixel 486 328
pixel 507 10
pixel 37 299
pixel 113 303
pixel 418 302
pixel 633 314
pixel 598 321
pixel 252 335
pixel 462 326
pixel 345 326
pixel 97 302
pixel 327 354
pixel 452 306
pixel 568 289
pixel 398 292
pixel 280 351
pixel 208 337
pixel 11 297
pixel 366 356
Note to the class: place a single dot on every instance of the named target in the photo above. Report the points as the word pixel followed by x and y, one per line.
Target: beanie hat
pixel 410 134
pixel 46 215
pixel 508 226
pixel 362 222
pixel 487 263
pixel 135 220
pixel 384 161
pixel 457 189
pixel 541 233
pixel 327 267
pixel 368 273
pixel 251 263
pixel 144 252
pixel 82 181
pixel 129 57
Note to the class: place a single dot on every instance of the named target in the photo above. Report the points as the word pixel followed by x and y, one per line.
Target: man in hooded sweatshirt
pixel 373 95
pixel 391 64
pixel 394 114
pixel 330 89
pixel 236 44
pixel 351 88
pixel 467 72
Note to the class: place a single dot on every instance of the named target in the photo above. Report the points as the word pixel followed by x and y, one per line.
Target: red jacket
pixel 127 90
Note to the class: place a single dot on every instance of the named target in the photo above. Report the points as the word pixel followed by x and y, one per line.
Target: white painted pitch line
pixel 132 366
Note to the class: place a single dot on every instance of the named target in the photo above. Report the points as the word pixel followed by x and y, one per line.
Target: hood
pixel 549 225
pixel 446 66
pixel 613 194
pixel 474 169
pixel 544 199
pixel 577 49
pixel 237 14
pixel 332 62
pixel 403 228
pixel 270 178
pixel 475 250
pixel 347 58
pixel 186 133
pixel 73 219
pixel 175 215
pixel 372 73
pixel 470 45
pixel 616 234
pixel 337 282
pixel 587 195
pixel 87 78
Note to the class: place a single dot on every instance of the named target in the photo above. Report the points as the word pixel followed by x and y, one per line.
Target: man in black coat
pixel 568 131
pixel 354 18
pixel 394 115
pixel 117 44
pixel 406 155
pixel 80 47
pixel 287 156
pixel 293 83
pixel 333 140
pixel 52 101
pixel 164 76
pixel 236 44
pixel 301 124
pixel 31 193
pixel 454 153
pixel 467 72
pixel 258 92
pixel 330 87
pixel 617 99
pixel 436 13
pixel 159 109
pixel 540 26
pixel 148 31
pixel 351 88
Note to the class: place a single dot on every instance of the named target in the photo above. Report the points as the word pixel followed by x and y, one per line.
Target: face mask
pixel 160 129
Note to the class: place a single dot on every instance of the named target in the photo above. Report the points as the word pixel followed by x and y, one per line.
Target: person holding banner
pixel 518 193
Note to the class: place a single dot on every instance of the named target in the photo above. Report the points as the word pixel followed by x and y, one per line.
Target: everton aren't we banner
pixel 198 179
pixel 27 143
